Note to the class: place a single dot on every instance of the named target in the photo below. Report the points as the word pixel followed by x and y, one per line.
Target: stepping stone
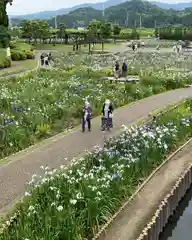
pixel 123 79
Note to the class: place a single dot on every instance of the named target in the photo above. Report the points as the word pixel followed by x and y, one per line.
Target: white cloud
pixel 31 6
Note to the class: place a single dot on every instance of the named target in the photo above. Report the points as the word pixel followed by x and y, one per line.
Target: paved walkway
pixel 52 152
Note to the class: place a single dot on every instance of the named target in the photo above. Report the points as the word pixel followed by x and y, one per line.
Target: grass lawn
pixel 144 32
pixel 21 46
pixel 69 48
pixel 19 66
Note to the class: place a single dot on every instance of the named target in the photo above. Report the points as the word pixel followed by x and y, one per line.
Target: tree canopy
pixel 4 22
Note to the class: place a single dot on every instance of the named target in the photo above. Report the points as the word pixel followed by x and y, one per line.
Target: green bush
pixel 30 55
pixel 15 56
pixel 21 51
pixel 4 61
pixel 7 62
pixel 18 55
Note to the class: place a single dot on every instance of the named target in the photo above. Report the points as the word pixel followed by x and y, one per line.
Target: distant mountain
pixel 176 6
pixel 98 6
pixel 50 14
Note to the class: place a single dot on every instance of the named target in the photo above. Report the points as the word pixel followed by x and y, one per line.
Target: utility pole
pixel 103 10
pixel 127 19
pixel 155 24
pixel 56 22
pixel 140 22
pixel 10 22
pixel 135 23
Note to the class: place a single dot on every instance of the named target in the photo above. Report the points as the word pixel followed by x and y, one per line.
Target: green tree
pixel 94 29
pixel 27 30
pixel 4 36
pixel 134 34
pixel 105 30
pixel 3 13
pixel 156 32
pixel 62 31
pixel 35 30
pixel 15 32
pixel 116 29
pixel 178 33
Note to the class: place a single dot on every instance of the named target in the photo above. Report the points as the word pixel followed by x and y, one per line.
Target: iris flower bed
pixel 43 104
pixel 73 203
pixel 40 105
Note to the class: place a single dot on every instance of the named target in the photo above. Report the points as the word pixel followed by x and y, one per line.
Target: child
pixel 86 118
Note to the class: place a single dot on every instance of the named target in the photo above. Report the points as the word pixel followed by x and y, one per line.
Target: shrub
pixel 30 55
pixel 7 62
pixel 17 55
pixel 21 51
pixel 4 61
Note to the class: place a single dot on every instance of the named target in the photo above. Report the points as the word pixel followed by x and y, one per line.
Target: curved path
pixel 53 151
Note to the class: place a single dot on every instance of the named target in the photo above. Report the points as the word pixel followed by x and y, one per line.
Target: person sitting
pixel 86 118
pixel 107 111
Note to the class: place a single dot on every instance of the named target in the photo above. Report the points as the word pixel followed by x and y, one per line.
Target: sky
pixel 21 7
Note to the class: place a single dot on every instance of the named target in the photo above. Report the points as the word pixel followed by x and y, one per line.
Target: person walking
pixel 42 59
pixel 86 118
pixel 50 58
pixel 46 60
pixel 116 70
pixel 107 111
pixel 133 46
pixel 124 69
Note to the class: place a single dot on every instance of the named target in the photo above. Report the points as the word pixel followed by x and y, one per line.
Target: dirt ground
pixel 132 220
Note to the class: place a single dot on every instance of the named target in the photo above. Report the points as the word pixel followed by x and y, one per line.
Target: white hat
pixel 107 101
pixel 87 103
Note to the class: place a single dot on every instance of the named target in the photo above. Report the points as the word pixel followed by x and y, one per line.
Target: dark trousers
pixel 124 73
pixel 42 62
pixel 84 123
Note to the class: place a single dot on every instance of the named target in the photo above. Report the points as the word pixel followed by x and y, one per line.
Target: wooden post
pixel 102 47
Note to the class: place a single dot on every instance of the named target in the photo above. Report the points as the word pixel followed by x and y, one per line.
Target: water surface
pixel 179 226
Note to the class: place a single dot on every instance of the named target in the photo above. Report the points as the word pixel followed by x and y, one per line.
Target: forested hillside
pixel 133 13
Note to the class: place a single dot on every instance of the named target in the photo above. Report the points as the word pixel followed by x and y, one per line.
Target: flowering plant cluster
pixel 73 203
